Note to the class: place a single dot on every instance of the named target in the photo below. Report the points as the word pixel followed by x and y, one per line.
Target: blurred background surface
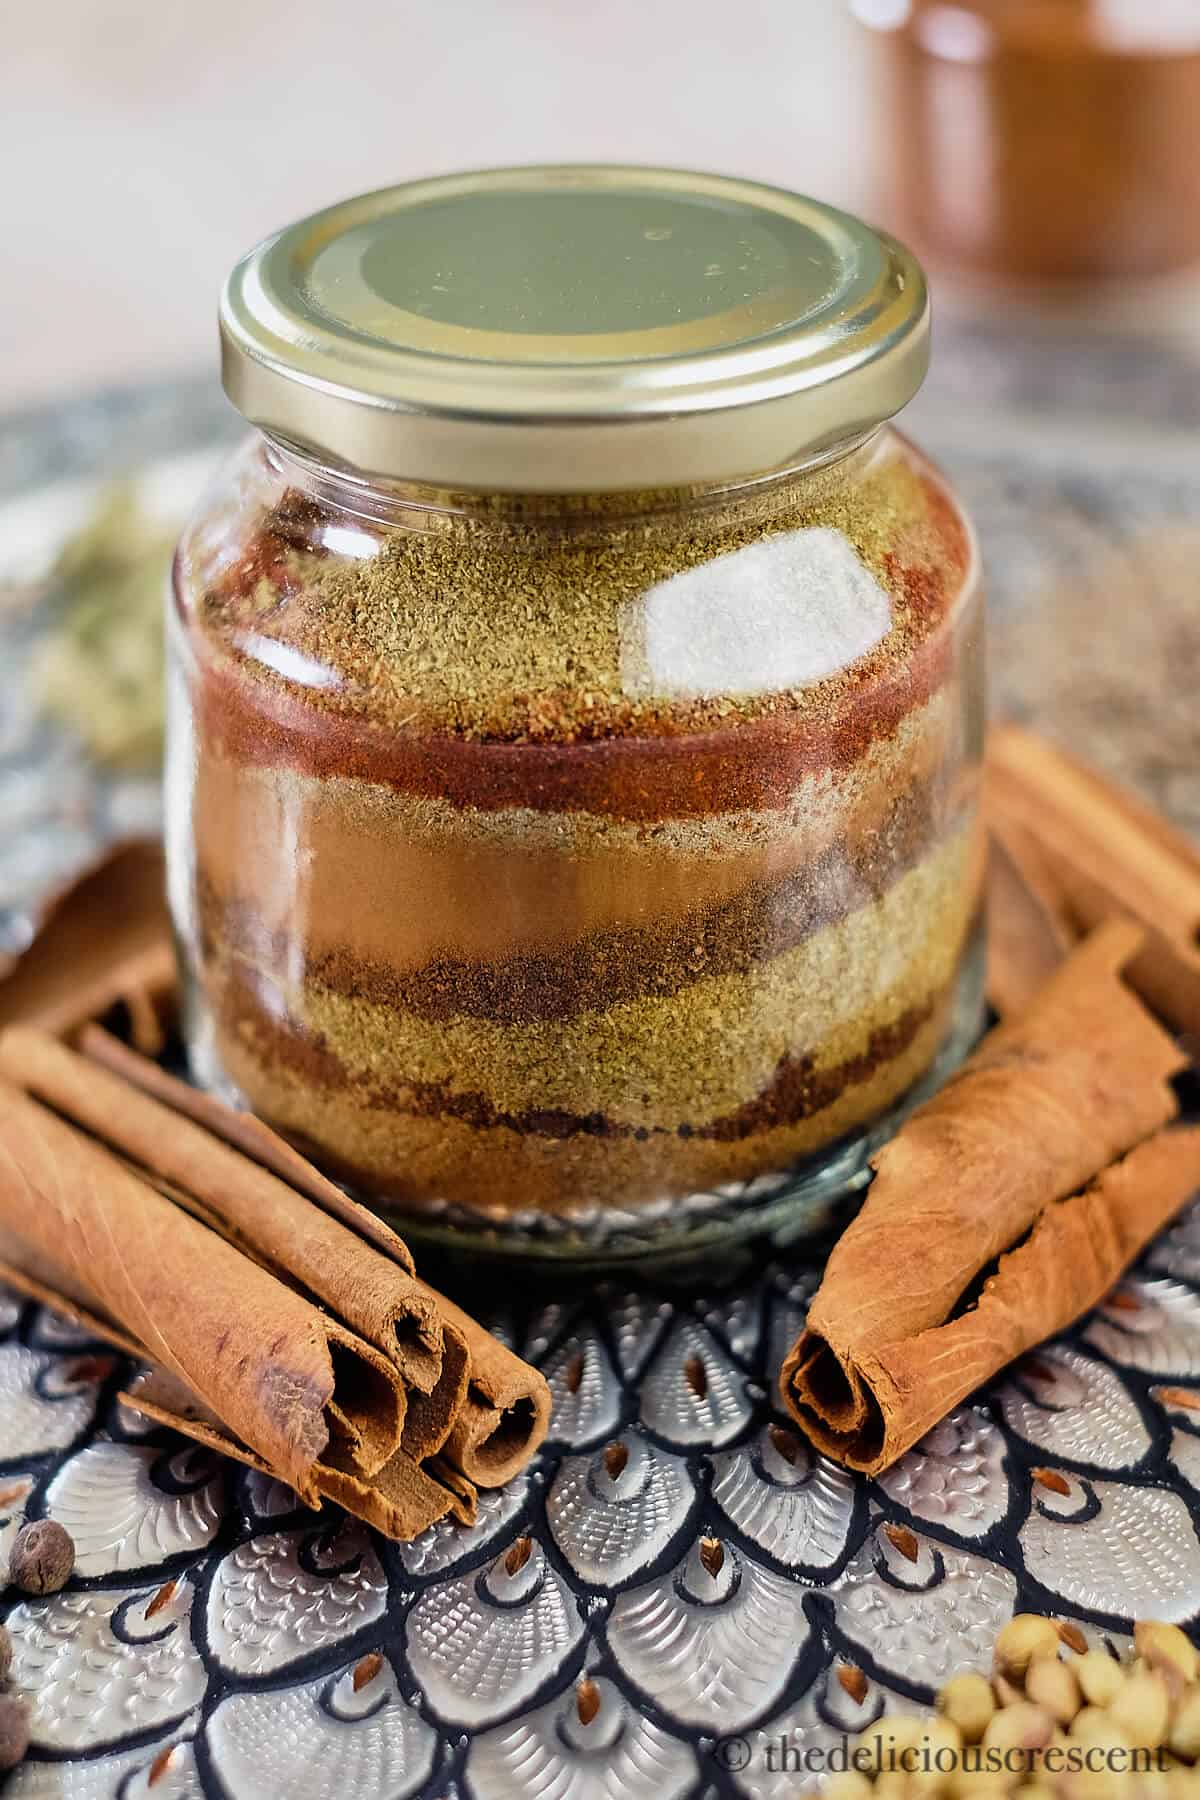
pixel 145 148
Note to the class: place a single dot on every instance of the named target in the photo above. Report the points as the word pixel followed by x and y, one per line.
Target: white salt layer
pixel 778 614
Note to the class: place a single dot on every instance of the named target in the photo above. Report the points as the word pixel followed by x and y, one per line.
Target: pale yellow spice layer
pixel 500 1171
pixel 681 1058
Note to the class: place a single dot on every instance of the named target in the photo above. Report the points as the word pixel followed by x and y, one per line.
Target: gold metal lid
pixel 574 329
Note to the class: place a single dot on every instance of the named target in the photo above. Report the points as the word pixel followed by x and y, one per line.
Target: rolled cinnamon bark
pixel 373 1293
pixel 402 1499
pixel 501 1405
pixel 337 1457
pixel 507 1406
pixel 468 1396
pixel 241 1131
pixel 1045 1104
pixel 310 1386
pixel 1102 854
pixel 27 1272
pixel 1075 1252
pixel 1028 932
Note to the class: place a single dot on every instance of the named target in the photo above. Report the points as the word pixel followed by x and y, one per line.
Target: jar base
pixel 782 1207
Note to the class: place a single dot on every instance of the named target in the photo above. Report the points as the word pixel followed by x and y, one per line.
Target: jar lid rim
pixel 574 327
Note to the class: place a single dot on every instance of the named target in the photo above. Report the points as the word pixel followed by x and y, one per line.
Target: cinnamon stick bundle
pixel 369 1285
pixel 504 1411
pixel 285 1323
pixel 178 1290
pixel 1007 1177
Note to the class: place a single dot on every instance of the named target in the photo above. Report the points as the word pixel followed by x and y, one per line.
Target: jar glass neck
pixel 380 499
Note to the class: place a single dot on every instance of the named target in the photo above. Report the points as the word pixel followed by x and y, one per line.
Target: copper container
pixel 1042 139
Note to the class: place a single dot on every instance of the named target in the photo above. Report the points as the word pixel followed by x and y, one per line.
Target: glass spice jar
pixel 576 709
pixel 1042 140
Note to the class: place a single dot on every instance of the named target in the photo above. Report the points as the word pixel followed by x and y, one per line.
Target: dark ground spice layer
pixel 604 968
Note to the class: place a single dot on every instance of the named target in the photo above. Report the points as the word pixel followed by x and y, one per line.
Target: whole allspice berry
pixel 42 1557
pixel 14 1731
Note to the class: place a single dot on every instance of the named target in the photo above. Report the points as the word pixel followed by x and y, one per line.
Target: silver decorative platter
pixel 697 1588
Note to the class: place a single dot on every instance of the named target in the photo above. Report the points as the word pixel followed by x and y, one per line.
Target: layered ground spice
pixel 487 906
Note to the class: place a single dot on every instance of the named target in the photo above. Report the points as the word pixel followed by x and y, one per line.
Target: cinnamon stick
pixel 503 1412
pixel 402 1499
pixel 243 1132
pixel 35 1276
pixel 1029 930
pixel 103 940
pixel 468 1396
pixel 502 1406
pixel 1109 856
pixel 170 1285
pixel 1045 1105
pixel 341 1456
pixel 373 1293
pixel 1076 1250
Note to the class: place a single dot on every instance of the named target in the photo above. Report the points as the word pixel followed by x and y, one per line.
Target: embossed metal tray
pixel 696 1585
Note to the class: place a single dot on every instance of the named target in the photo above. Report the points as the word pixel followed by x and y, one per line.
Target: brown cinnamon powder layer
pixel 756 766
pixel 406 880
pixel 599 969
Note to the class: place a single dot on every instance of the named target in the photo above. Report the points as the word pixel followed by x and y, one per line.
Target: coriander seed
pixel 1052 1685
pixel 1100 1677
pixel 1023 1638
pixel 966 1700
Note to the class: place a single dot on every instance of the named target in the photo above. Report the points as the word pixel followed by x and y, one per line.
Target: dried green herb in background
pixel 100 669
